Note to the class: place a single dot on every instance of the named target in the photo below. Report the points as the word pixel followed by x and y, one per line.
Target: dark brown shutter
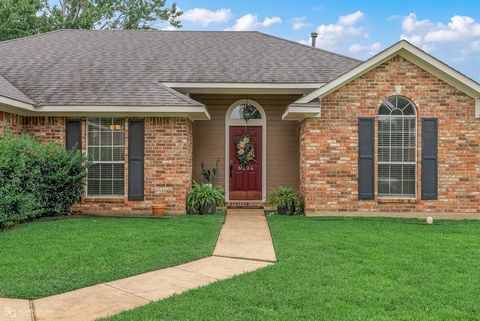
pixel 366 145
pixel 136 151
pixel 429 158
pixel 73 134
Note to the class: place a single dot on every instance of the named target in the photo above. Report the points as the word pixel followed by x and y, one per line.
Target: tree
pixel 20 18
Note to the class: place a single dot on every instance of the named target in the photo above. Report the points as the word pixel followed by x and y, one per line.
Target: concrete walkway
pixel 244 245
pixel 245 234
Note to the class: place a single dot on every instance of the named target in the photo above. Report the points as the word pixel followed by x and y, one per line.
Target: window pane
pixel 384 110
pixel 409 154
pixel 118 138
pixel 106 138
pixel 105 124
pixel 106 176
pixel 93 187
pixel 409 110
pixel 245 110
pixel 118 153
pixel 118 171
pixel 94 152
pixel 397 148
pixel 383 179
pixel 93 138
pixel 106 154
pixel 118 187
pixel 106 187
pixel 94 171
pixel 93 124
pixel 106 171
pixel 118 124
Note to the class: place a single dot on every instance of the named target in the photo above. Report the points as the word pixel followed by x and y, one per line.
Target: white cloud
pixel 410 23
pixel 351 19
pixel 205 17
pixel 271 21
pixel 250 22
pixel 475 46
pixel 464 31
pixel 338 36
pixel 299 23
pixel 370 49
pixel 169 28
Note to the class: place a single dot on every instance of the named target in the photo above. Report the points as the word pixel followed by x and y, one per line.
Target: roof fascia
pixel 411 53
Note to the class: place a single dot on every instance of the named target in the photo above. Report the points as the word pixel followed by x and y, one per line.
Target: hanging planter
pixel 245 150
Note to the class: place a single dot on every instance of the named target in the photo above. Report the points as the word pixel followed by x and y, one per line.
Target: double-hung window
pixel 106 147
pixel 397 148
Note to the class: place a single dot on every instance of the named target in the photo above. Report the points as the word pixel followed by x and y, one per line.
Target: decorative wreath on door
pixel 245 150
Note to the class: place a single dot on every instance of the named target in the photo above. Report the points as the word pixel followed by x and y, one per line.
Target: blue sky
pixel 449 30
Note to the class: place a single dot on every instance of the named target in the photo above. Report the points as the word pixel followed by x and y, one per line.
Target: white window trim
pixel 399 197
pixel 252 122
pixel 88 196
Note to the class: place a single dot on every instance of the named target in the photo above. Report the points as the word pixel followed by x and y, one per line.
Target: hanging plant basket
pixel 245 150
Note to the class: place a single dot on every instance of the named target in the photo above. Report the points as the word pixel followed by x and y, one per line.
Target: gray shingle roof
pixel 79 67
pixel 10 91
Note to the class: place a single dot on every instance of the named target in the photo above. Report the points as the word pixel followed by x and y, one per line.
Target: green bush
pixel 202 196
pixel 38 179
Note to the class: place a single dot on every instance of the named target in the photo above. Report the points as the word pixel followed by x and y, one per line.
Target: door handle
pixel 231 168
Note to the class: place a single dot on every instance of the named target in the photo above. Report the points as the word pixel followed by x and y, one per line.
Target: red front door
pixel 246 180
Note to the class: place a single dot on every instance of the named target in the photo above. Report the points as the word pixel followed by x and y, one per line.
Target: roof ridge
pixel 150 30
pixel 307 46
pixel 28 100
pixel 33 36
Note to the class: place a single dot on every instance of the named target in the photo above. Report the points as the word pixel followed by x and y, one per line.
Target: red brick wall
pixel 168 161
pixel 168 170
pixel 329 144
pixel 10 122
pixel 45 129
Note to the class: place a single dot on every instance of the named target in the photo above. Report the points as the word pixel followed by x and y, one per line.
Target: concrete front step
pixel 246 204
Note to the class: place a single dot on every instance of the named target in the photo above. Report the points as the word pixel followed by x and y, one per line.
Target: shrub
pixel 38 179
pixel 202 196
pixel 286 201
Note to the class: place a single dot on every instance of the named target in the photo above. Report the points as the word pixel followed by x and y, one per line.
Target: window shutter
pixel 136 149
pixel 429 158
pixel 366 144
pixel 73 134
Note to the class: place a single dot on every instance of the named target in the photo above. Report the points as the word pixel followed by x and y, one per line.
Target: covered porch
pixel 272 144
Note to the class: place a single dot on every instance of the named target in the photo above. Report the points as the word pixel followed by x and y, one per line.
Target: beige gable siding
pixel 282 139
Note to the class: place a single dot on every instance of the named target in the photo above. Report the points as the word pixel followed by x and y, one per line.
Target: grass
pixel 346 269
pixel 48 257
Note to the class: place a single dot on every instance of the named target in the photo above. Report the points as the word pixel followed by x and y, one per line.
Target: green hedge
pixel 38 179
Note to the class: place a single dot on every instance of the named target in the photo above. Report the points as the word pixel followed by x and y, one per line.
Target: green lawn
pixel 346 269
pixel 47 257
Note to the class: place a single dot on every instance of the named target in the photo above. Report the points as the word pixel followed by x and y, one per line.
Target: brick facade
pixel 44 129
pixel 10 123
pixel 168 161
pixel 168 170
pixel 329 144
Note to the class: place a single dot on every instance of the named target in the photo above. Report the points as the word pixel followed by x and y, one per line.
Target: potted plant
pixel 286 201
pixel 158 209
pixel 209 176
pixel 204 199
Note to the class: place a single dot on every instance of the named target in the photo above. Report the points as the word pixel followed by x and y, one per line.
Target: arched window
pixel 397 148
pixel 245 112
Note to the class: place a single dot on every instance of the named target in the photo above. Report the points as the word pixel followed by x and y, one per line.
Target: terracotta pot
pixel 158 209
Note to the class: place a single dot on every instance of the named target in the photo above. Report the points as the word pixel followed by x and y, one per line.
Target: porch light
pixel 115 127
